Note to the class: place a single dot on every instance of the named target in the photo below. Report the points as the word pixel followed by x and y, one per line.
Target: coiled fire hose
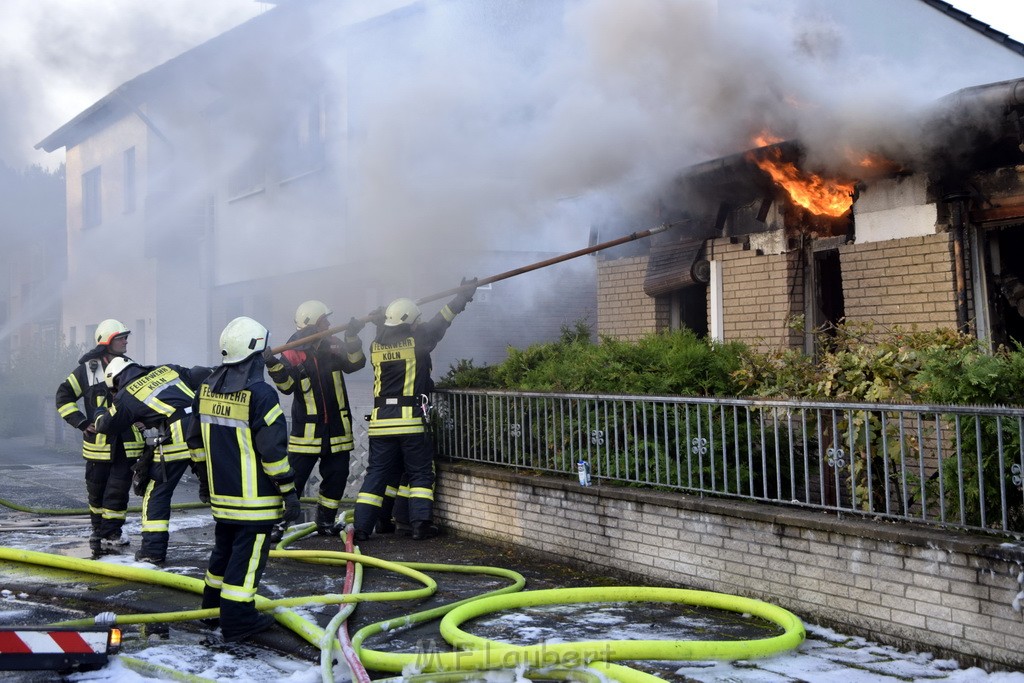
pixel 581 661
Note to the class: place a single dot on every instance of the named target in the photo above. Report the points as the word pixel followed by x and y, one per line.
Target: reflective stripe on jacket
pixel 85 384
pixel 401 373
pixel 320 405
pixel 244 434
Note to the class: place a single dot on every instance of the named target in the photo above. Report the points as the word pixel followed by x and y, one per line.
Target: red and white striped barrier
pixel 54 648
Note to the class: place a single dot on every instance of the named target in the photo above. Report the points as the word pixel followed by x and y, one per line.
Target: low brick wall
pixel 904 585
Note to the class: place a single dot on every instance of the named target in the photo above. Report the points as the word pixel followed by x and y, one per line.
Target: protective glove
pixel 199 469
pixel 292 507
pixel 268 357
pixel 465 295
pixel 353 328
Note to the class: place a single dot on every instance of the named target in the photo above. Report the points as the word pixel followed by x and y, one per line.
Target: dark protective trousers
pixel 156 505
pixel 333 478
pixel 107 484
pixel 389 455
pixel 237 562
pixel 395 506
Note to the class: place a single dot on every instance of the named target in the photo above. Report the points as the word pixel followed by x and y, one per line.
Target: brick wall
pixel 760 292
pixel 909 586
pixel 624 311
pixel 906 282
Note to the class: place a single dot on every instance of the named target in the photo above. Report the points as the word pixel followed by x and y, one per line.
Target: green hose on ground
pixel 85 511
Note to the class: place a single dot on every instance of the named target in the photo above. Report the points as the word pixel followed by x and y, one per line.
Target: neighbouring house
pixel 926 243
pixel 232 180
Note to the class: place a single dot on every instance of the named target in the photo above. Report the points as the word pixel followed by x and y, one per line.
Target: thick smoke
pixel 59 56
pixel 501 126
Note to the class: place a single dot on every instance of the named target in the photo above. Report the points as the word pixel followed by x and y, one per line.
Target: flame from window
pixel 818 195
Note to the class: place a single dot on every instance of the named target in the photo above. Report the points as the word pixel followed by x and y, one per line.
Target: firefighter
pixel 400 356
pixel 240 424
pixel 108 459
pixel 314 373
pixel 160 400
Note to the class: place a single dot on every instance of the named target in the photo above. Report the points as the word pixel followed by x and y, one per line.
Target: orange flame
pixel 809 190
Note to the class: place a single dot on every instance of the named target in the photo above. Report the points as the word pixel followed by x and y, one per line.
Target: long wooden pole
pixel 488 280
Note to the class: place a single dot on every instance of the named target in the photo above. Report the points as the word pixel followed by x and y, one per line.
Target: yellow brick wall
pixel 760 293
pixel 624 311
pixel 906 282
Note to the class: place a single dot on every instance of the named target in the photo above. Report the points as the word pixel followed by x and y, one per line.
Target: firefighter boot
pixel 325 525
pixel 423 529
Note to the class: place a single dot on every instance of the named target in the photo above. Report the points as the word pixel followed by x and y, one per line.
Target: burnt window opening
pixel 827 306
pixel 1006 285
pixel 690 310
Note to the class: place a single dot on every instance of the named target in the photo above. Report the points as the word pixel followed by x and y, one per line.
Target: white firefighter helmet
pixel 401 312
pixel 108 329
pixel 242 338
pixel 309 313
pixel 114 368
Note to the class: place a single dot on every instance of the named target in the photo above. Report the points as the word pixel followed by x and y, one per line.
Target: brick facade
pixel 760 293
pixel 910 586
pixel 624 311
pixel 905 282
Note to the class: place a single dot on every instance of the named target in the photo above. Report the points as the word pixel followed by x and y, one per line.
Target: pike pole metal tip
pixel 488 280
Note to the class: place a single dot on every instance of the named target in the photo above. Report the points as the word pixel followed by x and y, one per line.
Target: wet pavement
pixel 39 479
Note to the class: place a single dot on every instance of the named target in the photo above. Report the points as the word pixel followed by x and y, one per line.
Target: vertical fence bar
pixel 1002 473
pixel 959 468
pixel 711 445
pixel 764 457
pixel 807 458
pixel 870 506
pixel 750 453
pixel 736 449
pixel 778 454
pixel 725 450
pixel 885 465
pixel 981 471
pixel 679 455
pixel 850 430
pixel 792 460
pixel 903 467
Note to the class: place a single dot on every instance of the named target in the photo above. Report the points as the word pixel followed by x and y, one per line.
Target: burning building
pixel 891 235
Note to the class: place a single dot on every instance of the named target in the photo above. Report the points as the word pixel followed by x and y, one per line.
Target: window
pixel 249 177
pixel 129 180
pixel 304 144
pixel 92 204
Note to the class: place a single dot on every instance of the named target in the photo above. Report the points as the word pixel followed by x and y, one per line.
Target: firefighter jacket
pixel 86 383
pixel 401 362
pixel 240 424
pixel 158 398
pixel 314 375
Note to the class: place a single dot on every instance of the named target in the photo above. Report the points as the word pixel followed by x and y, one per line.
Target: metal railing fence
pixel 959 466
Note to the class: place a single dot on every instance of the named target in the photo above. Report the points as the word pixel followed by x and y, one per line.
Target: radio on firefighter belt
pixel 155 438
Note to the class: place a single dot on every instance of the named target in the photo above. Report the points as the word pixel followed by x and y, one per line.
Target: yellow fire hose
pixel 581 661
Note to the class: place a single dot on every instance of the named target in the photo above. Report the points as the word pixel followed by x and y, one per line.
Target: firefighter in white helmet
pixel 159 399
pixel 400 356
pixel 321 429
pixel 239 423
pixel 108 458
